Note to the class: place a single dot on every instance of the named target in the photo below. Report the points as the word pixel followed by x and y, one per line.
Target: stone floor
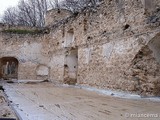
pixel 44 101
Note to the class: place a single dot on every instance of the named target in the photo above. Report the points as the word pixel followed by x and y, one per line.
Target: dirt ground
pixel 44 101
pixel 5 109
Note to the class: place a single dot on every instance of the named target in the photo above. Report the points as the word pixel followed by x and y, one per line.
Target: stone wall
pixel 108 41
pixel 27 49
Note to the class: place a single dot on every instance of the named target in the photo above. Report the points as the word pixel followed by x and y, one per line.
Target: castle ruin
pixel 115 46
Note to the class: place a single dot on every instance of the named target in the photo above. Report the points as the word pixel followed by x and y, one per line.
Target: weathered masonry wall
pixel 29 51
pixel 109 43
pixel 115 46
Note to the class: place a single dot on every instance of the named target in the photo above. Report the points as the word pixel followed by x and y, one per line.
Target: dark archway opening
pixel 8 68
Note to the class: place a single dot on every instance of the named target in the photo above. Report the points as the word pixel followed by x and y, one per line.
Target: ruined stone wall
pixel 113 43
pixel 28 50
pixel 108 40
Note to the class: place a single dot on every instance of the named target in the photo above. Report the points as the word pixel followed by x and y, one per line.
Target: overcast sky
pixel 4 4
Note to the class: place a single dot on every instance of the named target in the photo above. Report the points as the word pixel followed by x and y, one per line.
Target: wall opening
pixel 8 68
pixel 71 67
pixel 69 38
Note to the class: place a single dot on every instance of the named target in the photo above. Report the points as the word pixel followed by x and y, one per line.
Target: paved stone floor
pixel 44 101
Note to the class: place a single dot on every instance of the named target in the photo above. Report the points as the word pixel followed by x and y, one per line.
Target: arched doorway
pixel 8 68
pixel 145 68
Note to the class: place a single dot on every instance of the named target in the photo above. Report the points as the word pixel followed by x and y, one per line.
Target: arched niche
pixel 8 68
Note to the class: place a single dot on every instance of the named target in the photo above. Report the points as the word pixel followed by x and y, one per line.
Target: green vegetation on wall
pixel 20 31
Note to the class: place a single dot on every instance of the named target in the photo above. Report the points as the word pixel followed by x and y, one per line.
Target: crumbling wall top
pixel 55 15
